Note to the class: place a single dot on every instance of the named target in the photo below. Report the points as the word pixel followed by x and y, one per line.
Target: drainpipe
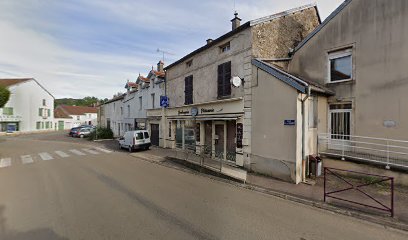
pixel 308 92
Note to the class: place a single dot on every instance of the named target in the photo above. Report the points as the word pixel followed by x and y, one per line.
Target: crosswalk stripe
pixel 45 156
pixel 5 162
pixel 61 154
pixel 77 152
pixel 103 150
pixel 26 159
pixel 90 151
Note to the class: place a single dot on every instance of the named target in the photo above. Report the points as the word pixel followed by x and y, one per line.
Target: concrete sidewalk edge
pixel 391 223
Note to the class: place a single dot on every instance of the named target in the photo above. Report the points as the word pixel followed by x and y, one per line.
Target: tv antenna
pixel 164 52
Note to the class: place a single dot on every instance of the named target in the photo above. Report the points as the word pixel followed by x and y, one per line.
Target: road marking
pixel 45 156
pixel 103 150
pixel 5 162
pixel 61 154
pixel 26 159
pixel 77 152
pixel 90 151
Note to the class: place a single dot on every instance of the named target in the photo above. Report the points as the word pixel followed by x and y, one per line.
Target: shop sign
pixel 164 101
pixel 183 112
pixel 240 134
pixel 289 122
pixel 207 110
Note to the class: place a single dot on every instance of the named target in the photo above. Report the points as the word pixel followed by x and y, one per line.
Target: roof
pixel 323 24
pixel 144 79
pixel 7 82
pixel 241 28
pixel 294 81
pixel 157 73
pixel 114 99
pixel 77 110
pixel 131 84
pixel 59 113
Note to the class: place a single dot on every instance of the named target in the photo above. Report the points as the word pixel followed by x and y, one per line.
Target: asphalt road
pixel 111 195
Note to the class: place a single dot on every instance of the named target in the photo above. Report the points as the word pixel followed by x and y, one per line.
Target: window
pixel 188 90
pixel 341 66
pixel 44 102
pixel 8 111
pixel 224 76
pixel 225 48
pixel 47 125
pixel 38 125
pixel 42 125
pixel 78 118
pixel 153 103
pixel 139 136
pixel 49 113
pixel 189 63
pixel 313 117
pixel 40 112
pixel 121 110
pixel 140 103
pixel 128 110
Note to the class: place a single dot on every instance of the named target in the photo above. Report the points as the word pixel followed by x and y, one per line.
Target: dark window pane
pixel 139 136
pixel 340 68
pixel 146 135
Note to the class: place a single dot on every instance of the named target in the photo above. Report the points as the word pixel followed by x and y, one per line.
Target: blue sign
pixel 289 122
pixel 11 128
pixel 164 101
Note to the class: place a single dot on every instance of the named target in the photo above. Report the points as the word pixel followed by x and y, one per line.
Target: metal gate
pixel 154 134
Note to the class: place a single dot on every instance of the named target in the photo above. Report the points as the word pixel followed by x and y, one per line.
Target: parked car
pixel 82 132
pixel 75 129
pixel 133 140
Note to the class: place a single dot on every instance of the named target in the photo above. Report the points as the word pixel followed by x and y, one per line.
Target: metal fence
pixel 388 152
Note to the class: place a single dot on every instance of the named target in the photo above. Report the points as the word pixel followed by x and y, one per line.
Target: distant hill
pixel 86 101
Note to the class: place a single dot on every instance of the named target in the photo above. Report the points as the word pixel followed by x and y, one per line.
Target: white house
pixel 30 107
pixel 129 111
pixel 67 117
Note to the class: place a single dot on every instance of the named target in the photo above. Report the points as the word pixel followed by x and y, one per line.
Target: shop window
pixel 179 135
pixel 341 66
pixel 38 125
pixel 189 137
pixel 197 132
pixel 169 129
pixel 224 77
pixel 188 90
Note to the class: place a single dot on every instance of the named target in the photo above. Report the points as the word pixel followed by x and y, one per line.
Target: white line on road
pixel 61 154
pixel 77 152
pixel 45 156
pixel 5 162
pixel 26 159
pixel 103 150
pixel 90 151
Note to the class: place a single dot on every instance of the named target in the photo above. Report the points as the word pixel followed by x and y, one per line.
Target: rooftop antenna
pixel 164 52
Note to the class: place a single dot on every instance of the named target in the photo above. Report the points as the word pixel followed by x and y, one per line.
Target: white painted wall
pixel 26 99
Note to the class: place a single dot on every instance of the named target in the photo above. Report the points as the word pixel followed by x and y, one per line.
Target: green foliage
pixel 86 101
pixel 4 96
pixel 101 133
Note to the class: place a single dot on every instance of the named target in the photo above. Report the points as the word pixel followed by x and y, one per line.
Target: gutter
pixel 308 93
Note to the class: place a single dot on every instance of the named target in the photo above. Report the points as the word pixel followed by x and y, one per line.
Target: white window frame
pixel 339 54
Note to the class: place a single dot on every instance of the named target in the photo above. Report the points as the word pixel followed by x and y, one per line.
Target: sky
pixel 78 48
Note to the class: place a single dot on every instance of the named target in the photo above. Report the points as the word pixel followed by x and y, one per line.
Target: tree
pixel 4 96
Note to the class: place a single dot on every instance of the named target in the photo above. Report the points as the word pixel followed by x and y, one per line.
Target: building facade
pixel 210 90
pixel 29 109
pixel 67 117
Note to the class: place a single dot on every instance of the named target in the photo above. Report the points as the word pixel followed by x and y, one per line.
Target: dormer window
pixel 225 48
pixel 189 63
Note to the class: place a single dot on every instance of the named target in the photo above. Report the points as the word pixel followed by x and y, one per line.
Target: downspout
pixel 308 92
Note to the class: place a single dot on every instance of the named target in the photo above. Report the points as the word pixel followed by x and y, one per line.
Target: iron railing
pixel 359 189
pixel 388 152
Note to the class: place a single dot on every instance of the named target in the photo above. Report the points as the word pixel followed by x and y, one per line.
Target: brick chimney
pixel 236 21
pixel 160 65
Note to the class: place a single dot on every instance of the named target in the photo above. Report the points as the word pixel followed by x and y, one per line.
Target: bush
pixel 4 96
pixel 101 133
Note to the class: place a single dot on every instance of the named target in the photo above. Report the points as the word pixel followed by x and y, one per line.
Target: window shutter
pixel 49 112
pixel 188 90
pixel 40 112
pixel 220 81
pixel 227 78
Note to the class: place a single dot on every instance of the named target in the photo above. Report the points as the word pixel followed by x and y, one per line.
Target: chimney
pixel 209 41
pixel 160 65
pixel 236 21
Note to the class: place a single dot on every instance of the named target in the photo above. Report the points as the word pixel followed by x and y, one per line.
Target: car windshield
pixel 139 136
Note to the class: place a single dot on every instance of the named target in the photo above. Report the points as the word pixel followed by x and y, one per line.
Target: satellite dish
pixel 236 81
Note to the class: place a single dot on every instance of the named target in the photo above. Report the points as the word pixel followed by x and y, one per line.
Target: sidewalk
pixel 305 191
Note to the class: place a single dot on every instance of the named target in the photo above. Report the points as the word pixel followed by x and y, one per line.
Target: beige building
pixel 212 91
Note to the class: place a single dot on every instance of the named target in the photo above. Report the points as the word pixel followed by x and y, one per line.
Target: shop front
pixel 214 129
pixel 10 123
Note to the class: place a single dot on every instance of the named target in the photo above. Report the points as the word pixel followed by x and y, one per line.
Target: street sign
pixel 164 101
pixel 289 122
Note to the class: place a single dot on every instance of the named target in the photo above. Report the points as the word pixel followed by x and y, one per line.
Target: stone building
pixel 210 90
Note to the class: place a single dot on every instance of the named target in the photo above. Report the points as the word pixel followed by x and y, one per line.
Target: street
pixel 56 187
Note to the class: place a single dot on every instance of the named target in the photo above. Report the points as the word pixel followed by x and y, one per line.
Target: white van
pixel 133 140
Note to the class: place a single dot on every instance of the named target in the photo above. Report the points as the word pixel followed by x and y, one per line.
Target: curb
pixel 387 223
